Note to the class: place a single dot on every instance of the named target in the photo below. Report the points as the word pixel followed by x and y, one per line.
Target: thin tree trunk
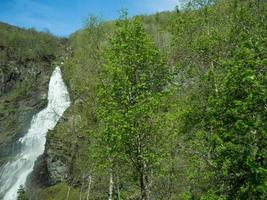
pixel 144 182
pixel 143 187
pixel 69 187
pixel 80 195
pixel 89 188
pixel 141 169
pixel 147 186
pixel 81 189
pixel 111 185
pixel 118 187
pixel 68 193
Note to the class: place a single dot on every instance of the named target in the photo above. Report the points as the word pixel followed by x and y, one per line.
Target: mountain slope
pixel 212 120
pixel 26 58
pixel 198 44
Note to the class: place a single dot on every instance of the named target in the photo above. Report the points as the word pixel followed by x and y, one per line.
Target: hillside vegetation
pixel 167 106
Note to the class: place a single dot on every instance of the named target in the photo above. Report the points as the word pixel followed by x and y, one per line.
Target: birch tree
pixel 132 84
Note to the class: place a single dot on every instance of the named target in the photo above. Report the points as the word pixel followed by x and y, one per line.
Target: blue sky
pixel 62 17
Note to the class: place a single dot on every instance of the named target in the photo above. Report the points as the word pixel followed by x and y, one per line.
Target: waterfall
pixel 15 172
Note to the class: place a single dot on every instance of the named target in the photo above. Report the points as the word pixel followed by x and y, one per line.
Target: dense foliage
pixel 132 80
pixel 26 45
pixel 170 106
pixel 231 122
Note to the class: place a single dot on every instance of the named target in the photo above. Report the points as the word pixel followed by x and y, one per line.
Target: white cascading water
pixel 15 172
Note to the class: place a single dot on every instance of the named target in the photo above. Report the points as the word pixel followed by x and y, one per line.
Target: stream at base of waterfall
pixel 15 172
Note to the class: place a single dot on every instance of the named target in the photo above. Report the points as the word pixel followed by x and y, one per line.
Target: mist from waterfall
pixel 15 172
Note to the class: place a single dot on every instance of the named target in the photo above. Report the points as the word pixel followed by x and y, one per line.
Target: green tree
pixel 231 124
pixel 133 79
pixel 21 193
pixel 236 116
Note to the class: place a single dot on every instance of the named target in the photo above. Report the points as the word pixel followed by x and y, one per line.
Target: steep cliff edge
pixel 26 58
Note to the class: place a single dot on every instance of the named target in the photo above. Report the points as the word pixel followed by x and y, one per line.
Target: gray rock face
pixel 53 167
pixel 49 169
pixel 23 92
pixel 58 170
pixel 9 74
pixel 25 71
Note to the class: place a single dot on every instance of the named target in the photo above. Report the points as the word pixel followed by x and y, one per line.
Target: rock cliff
pixel 24 77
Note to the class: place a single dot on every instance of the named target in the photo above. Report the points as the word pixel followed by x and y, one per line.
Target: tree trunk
pixel 118 187
pixel 89 188
pixel 111 185
pixel 144 183
pixel 68 193
pixel 144 187
pixel 81 188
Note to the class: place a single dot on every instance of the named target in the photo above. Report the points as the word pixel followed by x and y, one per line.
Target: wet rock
pixel 23 92
pixel 58 171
